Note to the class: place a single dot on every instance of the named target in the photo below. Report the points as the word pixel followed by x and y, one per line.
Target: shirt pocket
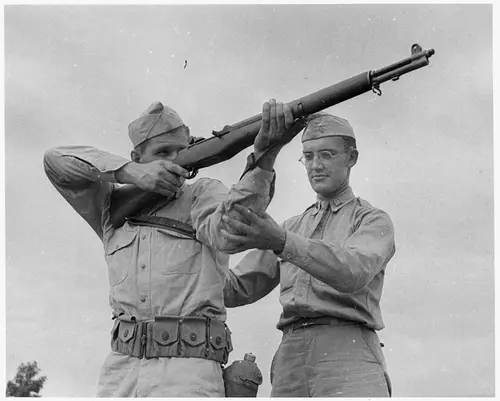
pixel 119 255
pixel 178 254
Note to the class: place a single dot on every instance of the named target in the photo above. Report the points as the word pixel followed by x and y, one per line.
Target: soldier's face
pixel 162 147
pixel 327 174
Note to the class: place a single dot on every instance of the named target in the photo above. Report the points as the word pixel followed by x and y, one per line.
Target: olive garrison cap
pixel 322 125
pixel 156 120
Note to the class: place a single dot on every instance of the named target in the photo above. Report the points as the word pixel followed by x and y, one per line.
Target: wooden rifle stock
pixel 127 200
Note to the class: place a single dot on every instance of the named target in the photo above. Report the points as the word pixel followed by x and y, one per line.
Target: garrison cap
pixel 321 125
pixel 156 120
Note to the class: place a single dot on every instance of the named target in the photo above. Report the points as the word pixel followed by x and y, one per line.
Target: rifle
pixel 232 139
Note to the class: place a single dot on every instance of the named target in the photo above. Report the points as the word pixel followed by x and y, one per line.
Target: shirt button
pixel 143 236
pixel 143 266
pixel 143 298
pixel 193 337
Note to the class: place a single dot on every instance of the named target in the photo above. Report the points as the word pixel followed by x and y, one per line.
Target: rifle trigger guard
pixel 192 173
pixel 376 89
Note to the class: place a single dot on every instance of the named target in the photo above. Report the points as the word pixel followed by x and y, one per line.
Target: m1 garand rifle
pixel 128 200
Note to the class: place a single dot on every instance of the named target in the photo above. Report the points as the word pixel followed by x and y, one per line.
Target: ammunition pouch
pixel 173 336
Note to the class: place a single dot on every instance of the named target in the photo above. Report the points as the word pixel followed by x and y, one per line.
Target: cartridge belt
pixel 172 336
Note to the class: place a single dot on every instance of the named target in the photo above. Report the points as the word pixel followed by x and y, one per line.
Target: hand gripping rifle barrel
pixel 232 139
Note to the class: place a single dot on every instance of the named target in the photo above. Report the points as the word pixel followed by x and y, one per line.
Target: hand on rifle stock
pixel 160 176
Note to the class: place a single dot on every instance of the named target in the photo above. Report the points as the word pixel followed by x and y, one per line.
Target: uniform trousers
pixel 129 376
pixel 344 360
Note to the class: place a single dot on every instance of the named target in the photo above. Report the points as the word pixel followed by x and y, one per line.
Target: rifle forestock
pixel 232 139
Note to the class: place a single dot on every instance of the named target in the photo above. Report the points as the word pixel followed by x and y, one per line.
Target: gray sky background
pixel 80 74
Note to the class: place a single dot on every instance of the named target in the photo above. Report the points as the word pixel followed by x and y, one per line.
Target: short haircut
pixel 349 143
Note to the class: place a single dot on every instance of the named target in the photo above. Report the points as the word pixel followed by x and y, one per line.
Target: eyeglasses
pixel 325 156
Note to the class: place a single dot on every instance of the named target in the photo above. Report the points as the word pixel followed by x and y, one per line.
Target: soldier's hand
pixel 251 231
pixel 161 176
pixel 278 127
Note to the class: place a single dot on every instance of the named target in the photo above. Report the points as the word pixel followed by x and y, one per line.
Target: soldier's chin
pixel 319 187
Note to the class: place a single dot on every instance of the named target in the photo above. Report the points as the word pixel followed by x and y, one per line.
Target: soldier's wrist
pixel 265 160
pixel 127 174
pixel 279 244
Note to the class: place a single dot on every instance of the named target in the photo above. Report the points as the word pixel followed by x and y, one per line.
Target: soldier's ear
pixel 135 156
pixel 353 157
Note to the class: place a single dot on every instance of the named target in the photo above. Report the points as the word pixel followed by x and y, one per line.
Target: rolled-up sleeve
pixel 83 175
pixel 253 278
pixel 211 199
pixel 346 266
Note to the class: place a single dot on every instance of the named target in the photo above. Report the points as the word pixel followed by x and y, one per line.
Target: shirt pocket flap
pixel 119 240
pixel 194 331
pixel 217 335
pixel 126 330
pixel 165 330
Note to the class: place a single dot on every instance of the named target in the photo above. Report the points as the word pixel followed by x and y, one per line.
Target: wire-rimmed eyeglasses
pixel 325 156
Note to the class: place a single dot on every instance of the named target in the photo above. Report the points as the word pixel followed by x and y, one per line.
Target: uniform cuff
pixel 258 180
pixel 295 250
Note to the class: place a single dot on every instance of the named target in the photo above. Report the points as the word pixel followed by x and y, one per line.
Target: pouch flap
pixel 217 334
pixel 165 330
pixel 193 330
pixel 126 330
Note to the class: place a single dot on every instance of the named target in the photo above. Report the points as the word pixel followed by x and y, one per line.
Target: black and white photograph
pixel 249 200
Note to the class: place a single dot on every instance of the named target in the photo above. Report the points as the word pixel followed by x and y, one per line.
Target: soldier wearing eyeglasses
pixel 330 264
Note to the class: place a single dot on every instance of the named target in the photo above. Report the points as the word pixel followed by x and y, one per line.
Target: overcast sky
pixel 80 74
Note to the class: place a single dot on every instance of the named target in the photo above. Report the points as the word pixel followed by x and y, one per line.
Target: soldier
pixel 166 283
pixel 330 263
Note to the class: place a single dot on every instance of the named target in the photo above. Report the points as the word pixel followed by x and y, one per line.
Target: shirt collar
pixel 336 202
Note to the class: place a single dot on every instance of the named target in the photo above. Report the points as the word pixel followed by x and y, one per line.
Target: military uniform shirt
pixel 154 271
pixel 344 243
